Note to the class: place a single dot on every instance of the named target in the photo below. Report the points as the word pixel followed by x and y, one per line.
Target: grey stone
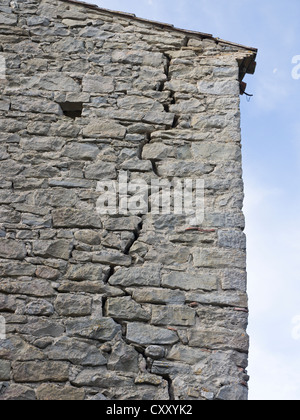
pixel 12 249
pixel 28 104
pixel 5 368
pixel 39 307
pixel 97 84
pixel 124 308
pixel 144 334
pixel 93 272
pixel 155 352
pixel 219 338
pixel 102 329
pixel 52 392
pixel 41 328
pixel 56 82
pixel 73 305
pixel 216 152
pixel 220 258
pixel 180 169
pixel 81 151
pixel 228 87
pixel 157 151
pixel 101 171
pixel 232 239
pixel 17 392
pixel 104 129
pixel 27 372
pixel 173 315
pixel 186 281
pixel 7 303
pixel 113 258
pixel 76 352
pixel 149 275
pixel 53 249
pixel 68 217
pixel 233 392
pixel 89 237
pixel 234 280
pixel 30 287
pixel 123 358
pixel 157 296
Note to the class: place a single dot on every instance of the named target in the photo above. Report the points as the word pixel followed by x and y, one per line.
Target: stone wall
pixel 125 306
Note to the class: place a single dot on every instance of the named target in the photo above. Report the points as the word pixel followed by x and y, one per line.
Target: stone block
pixel 104 129
pixel 173 315
pixel 102 329
pixel 112 258
pixel 51 392
pixel 53 249
pixel 73 218
pixel 11 249
pixel 219 338
pixel 188 281
pixel 232 239
pixel 73 305
pixel 27 372
pixel 97 84
pixel 148 275
pixel 101 171
pixel 146 335
pixel 77 352
pixel 157 296
pixel 126 309
pixel 5 368
pixel 219 258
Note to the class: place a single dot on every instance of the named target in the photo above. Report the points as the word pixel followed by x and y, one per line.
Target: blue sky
pixel 271 154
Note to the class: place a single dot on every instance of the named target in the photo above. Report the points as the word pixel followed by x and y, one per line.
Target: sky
pixel 271 160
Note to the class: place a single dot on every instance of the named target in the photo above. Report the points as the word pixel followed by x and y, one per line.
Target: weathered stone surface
pixel 53 249
pixel 80 151
pixel 124 308
pixel 232 239
pixel 173 315
pixel 30 287
pixel 11 249
pixel 17 392
pixel 219 338
pixel 103 329
pixel 219 258
pixel 51 392
pixel 144 334
pixel 123 358
pixel 73 305
pixel 155 352
pixel 98 84
pixel 27 372
pixel 68 217
pixel 104 129
pixel 149 275
pixel 93 272
pixel 39 307
pixel 5 367
pixel 186 281
pixel 113 258
pixel 101 171
pixel 157 296
pixel 76 352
